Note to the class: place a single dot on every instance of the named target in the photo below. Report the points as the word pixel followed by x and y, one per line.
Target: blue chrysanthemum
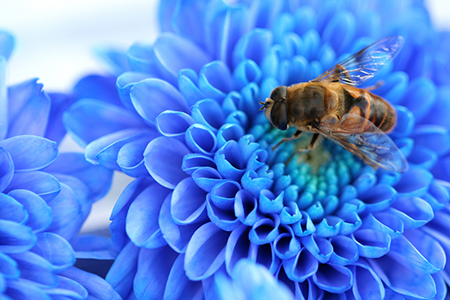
pixel 44 197
pixel 323 223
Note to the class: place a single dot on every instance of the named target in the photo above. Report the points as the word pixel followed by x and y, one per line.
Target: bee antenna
pixel 263 105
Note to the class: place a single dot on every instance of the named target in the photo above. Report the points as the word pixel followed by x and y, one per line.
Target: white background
pixel 55 41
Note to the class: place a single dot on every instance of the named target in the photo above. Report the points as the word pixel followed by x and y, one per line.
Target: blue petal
pixel 8 267
pixel 173 123
pixel 385 222
pixel 99 119
pixel 23 150
pixel 163 158
pixel 3 100
pixel 223 194
pixel 345 250
pixel 440 111
pixel 265 255
pixel 215 80
pixel 301 266
pixel 394 87
pixel 125 82
pixel 200 139
pixel 265 230
pixel 329 226
pixel 55 250
pixel 123 270
pixel 130 158
pixel 164 97
pixel 153 271
pixel 209 113
pixel 142 219
pixel 142 59
pixel 194 161
pixel 414 212
pixel 205 252
pixel 420 97
pixel 245 72
pixel 304 226
pixel 367 284
pixel 340 30
pixel 269 204
pixel 104 150
pixel 165 14
pixel 12 210
pixel 22 289
pixel 39 213
pixel 40 183
pixel 15 238
pixel 97 179
pixel 333 278
pixel 437 138
pixel 178 285
pixel 206 178
pixel 379 197
pixel 67 288
pixel 6 169
pixel 96 287
pixel 29 108
pixel 372 243
pixel 98 87
pixel 423 157
pixel 55 128
pixel 115 59
pixel 246 208
pixel 224 218
pixel 172 54
pixel 188 203
pixel 415 182
pixel 229 162
pixel 254 45
pixel 188 86
pixel 177 236
pixel 35 268
pixel 405 122
pixel 286 244
pixel 320 247
pixel 402 279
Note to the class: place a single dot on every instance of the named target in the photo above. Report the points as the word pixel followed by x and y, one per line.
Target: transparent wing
pixel 372 145
pixel 364 64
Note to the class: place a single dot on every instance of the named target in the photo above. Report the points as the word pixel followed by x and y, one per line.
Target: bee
pixel 334 107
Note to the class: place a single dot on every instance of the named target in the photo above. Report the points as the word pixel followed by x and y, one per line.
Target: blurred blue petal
pixel 40 183
pixel 6 44
pixel 93 247
pixel 55 128
pixel 97 87
pixel 179 286
pixel 24 149
pixel 3 99
pixel 39 213
pixel 6 169
pixel 15 238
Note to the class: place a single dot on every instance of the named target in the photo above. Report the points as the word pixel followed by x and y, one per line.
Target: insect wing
pixel 373 146
pixel 364 64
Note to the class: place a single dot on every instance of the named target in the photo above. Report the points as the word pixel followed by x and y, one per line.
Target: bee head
pixel 275 108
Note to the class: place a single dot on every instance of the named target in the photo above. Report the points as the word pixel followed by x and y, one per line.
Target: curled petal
pixel 269 204
pixel 405 122
pixel 215 80
pixel 163 158
pixel 301 266
pixel 290 213
pixel 415 182
pixel 209 113
pixel 304 226
pixel 224 218
pixel 23 151
pixel 333 278
pixel 164 97
pixel 125 82
pixel 130 157
pixel 265 230
pixel 253 45
pixel 286 244
pixel 172 123
pixel 195 161
pixel 246 208
pixel 229 132
pixel 379 197
pixel 205 252
pixel 153 272
pixel 350 223
pixel 223 194
pixel 254 183
pixel 245 72
pixel 188 203
pixel 200 139
pixel 188 86
pixel 320 247
pixel 372 243
pixel 265 255
pixel 438 195
pixel 329 226
pixel 384 222
pixel 177 236
pixel 206 178
pixel 238 246
pixel 345 250
pixel 229 162
pixel 414 212
pixel 142 220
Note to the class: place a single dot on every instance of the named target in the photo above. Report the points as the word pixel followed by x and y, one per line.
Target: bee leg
pixel 296 135
pixel 375 86
pixel 312 143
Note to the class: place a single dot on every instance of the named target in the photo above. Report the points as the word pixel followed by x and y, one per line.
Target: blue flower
pixel 44 196
pixel 209 191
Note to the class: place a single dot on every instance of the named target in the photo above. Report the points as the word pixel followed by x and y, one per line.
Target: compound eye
pixel 278 93
pixel 278 115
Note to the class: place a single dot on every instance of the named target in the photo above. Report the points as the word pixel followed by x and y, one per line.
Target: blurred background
pixel 56 42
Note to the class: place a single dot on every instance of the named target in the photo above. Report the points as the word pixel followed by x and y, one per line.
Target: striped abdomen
pixel 371 107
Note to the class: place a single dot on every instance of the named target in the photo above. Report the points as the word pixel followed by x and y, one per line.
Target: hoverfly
pixel 332 106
